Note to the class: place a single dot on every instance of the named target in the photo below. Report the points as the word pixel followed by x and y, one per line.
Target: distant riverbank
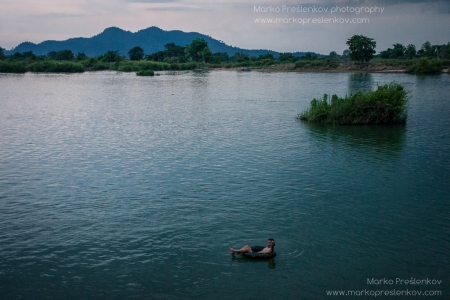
pixel 371 67
pixel 415 66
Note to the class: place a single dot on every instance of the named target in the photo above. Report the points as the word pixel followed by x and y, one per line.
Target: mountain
pixel 151 40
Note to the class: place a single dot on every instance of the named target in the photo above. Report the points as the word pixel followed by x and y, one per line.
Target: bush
pixel 145 73
pixel 386 105
pixel 126 68
pixel 188 66
pixel 12 67
pixel 426 66
pixel 68 67
pixel 55 67
pixel 89 62
pixel 99 66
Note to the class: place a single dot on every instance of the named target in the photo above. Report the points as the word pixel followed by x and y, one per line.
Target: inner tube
pixel 256 255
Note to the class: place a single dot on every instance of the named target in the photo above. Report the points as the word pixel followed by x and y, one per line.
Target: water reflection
pixel 199 83
pixel 360 82
pixel 380 141
pixel 239 259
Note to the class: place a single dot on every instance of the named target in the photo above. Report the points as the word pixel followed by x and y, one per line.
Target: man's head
pixel 271 243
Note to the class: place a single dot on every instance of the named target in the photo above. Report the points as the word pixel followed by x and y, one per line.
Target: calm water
pixel 118 186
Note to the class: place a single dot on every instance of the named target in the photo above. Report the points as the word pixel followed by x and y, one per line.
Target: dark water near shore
pixel 118 186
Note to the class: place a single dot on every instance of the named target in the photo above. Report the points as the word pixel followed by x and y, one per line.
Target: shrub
pixel 89 62
pixel 52 66
pixel 385 105
pixel 426 66
pixel 188 66
pixel 12 67
pixel 99 66
pixel 145 73
pixel 126 68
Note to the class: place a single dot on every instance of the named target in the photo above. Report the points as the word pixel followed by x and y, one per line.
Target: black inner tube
pixel 255 254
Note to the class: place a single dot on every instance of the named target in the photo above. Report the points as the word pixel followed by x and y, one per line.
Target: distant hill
pixel 151 40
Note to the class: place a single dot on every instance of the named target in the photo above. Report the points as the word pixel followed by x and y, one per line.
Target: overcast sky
pixel 235 22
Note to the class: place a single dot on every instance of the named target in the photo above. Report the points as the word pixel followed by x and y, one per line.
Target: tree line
pixel 196 51
pixel 361 49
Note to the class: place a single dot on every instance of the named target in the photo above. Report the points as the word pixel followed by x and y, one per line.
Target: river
pixel 116 186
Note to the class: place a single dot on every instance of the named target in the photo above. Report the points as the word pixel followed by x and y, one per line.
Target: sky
pixel 313 25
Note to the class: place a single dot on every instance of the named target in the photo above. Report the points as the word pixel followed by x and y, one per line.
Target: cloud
pixel 228 20
pixel 154 1
pixel 442 3
pixel 401 2
pixel 174 8
pixel 53 15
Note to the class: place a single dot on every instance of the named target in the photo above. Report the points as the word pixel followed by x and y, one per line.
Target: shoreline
pixel 341 68
pixel 271 69
pixel 268 70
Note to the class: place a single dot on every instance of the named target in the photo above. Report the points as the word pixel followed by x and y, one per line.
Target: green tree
pixel 219 57
pixel 172 54
pixel 427 50
pixel 198 50
pixel 386 53
pixel 111 56
pixel 333 55
pixel 346 54
pixel 136 53
pixel 410 51
pixel 61 55
pixel 2 55
pixel 398 51
pixel 310 56
pixel 268 56
pixel 174 51
pixel 156 56
pixel 442 51
pixel 206 54
pixel 361 48
pixel 240 57
pixel 18 55
pixel 81 56
pixel 64 55
pixel 52 55
pixel 287 56
pixel 29 55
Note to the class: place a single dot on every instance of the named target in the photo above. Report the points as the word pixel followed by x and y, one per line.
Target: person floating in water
pixel 247 249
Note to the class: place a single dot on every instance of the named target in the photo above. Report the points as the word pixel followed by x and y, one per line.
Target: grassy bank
pixel 12 67
pixel 90 64
pixel 386 105
pixel 426 66
pixel 145 73
pixel 415 66
pixel 46 65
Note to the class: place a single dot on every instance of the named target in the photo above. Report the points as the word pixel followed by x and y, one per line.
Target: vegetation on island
pixel 145 73
pixel 360 56
pixel 361 48
pixel 136 53
pixel 386 105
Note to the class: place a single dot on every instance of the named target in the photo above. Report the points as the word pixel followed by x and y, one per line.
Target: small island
pixel 386 105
